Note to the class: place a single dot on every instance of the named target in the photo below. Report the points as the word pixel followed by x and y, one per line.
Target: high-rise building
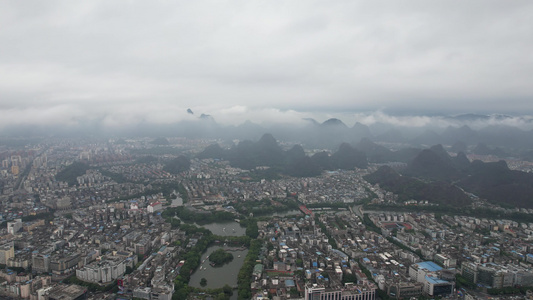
pixel 15 169
pixel 7 251
pixel 41 263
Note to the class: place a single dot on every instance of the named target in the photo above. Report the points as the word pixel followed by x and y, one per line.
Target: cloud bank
pixel 120 63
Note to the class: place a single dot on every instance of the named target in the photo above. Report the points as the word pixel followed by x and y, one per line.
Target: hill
pixel 177 165
pixel 492 181
pixel 408 188
pixel 249 155
pixel 71 172
pixel 379 154
pixel 497 183
pixel 435 164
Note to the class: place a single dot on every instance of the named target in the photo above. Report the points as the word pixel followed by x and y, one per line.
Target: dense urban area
pixel 149 218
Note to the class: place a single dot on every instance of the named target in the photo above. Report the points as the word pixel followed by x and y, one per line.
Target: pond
pixel 218 277
pixel 225 229
pixel 230 228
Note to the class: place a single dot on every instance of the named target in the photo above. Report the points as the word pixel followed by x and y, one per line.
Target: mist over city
pixel 266 150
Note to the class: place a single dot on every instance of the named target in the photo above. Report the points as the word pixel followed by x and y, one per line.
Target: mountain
pixel 492 181
pixel 331 133
pixel 374 152
pixel 392 135
pixel 469 117
pixel 312 121
pixel 495 182
pixel 505 136
pixel 247 130
pixel 408 188
pixel 266 152
pixel 433 164
pixel 461 162
pixel 482 149
pixel 459 146
pixel 71 172
pixel 454 134
pixel 405 155
pixel 295 153
pixel 303 167
pixel 333 122
pixel 323 160
pixel 177 165
pixel 348 157
pixel 249 155
pixel 212 151
pixel 428 137
pixel 360 131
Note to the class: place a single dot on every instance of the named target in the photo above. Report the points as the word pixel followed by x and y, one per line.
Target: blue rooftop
pixel 434 280
pixel 429 265
pixel 289 283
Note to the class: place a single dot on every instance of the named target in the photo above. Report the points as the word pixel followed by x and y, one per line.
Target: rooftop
pixel 429 265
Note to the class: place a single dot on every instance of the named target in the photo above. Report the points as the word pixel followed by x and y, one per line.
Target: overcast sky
pixel 120 62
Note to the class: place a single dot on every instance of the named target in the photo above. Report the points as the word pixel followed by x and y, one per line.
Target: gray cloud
pixel 125 61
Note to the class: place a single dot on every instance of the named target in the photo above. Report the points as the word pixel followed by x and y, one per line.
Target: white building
pixel 14 227
pixel 102 271
pixel 428 273
pixel 156 206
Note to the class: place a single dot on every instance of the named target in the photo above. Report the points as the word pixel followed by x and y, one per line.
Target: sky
pixel 123 62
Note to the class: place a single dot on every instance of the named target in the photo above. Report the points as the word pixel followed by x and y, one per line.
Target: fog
pixel 120 64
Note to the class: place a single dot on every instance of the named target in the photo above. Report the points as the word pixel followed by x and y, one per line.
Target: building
pixel 434 286
pixel 7 251
pixel 156 206
pixel 366 291
pixel 143 246
pixel 405 290
pixel 103 271
pixel 15 169
pixel 497 276
pixel 67 292
pixel 14 227
pixel 445 260
pixel 469 271
pixel 142 292
pixel 61 265
pixel 40 263
pixel 493 276
pixel 63 202
pixel 429 273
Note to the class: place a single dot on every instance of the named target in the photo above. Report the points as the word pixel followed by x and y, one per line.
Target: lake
pixel 225 229
pixel 218 277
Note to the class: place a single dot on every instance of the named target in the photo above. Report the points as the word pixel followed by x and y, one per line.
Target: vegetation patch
pixel 71 172
pixel 220 257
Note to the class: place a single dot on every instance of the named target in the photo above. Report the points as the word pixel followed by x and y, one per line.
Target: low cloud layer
pixel 119 63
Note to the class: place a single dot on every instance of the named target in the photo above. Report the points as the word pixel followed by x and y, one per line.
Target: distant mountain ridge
pixel 495 131
pixel 266 152
pixel 434 166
